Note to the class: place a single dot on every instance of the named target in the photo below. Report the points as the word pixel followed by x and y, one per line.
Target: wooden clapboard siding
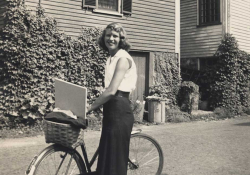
pixel 240 22
pixel 3 4
pixel 150 28
pixel 197 41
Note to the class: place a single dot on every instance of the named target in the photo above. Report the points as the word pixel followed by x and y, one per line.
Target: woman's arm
pixel 121 67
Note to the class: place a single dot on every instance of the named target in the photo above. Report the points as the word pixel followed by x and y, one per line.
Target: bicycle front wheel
pixel 145 156
pixel 59 160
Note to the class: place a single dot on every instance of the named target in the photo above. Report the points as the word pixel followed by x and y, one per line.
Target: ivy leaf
pixel 24 107
pixel 50 100
pixel 33 116
pixel 32 101
pixel 13 113
pixel 42 110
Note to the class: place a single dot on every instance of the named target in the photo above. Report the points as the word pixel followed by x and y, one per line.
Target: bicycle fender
pixel 31 168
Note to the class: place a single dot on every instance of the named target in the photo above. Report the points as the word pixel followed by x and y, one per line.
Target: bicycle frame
pixel 87 162
pixel 91 162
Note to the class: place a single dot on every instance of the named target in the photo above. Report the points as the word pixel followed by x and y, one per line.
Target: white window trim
pixel 107 12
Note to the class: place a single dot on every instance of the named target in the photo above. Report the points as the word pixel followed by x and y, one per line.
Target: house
pixel 203 25
pixel 152 26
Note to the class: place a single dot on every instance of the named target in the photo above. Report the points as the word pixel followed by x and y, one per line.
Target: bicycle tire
pixel 49 160
pixel 145 155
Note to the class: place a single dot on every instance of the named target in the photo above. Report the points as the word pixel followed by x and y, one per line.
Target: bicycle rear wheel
pixel 145 156
pixel 59 160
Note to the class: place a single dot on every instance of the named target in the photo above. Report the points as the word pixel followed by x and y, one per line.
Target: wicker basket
pixel 62 134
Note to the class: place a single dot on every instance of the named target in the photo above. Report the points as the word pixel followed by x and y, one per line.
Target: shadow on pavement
pixel 243 124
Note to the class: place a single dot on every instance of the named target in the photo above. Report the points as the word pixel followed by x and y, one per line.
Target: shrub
pixel 186 96
pixel 203 115
pixel 222 113
pixel 230 77
pixel 175 115
pixel 246 110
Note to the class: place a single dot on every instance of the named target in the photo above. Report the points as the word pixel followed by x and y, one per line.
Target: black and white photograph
pixel 125 87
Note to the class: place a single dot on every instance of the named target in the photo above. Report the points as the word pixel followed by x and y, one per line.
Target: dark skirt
pixel 118 121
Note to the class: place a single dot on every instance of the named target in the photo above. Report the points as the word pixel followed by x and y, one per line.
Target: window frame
pixel 120 10
pixel 209 23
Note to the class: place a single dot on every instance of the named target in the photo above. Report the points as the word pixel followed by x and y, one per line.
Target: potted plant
pixel 137 107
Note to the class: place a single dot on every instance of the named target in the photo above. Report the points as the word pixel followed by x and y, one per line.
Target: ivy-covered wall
pixel 167 79
pixel 33 52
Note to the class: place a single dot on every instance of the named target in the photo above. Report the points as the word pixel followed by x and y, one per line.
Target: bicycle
pixel 145 158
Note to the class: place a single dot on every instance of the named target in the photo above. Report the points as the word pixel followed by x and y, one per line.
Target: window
pixel 209 12
pixel 108 5
pixel 116 6
pixel 207 62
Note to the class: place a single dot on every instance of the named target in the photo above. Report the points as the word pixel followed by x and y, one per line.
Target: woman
pixel 118 119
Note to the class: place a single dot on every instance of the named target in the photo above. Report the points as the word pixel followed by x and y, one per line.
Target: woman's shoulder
pixel 123 53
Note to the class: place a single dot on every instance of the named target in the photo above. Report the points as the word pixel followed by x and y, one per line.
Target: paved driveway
pixel 198 148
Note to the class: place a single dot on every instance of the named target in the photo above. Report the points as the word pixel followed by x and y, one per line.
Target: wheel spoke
pixel 146 155
pixel 150 162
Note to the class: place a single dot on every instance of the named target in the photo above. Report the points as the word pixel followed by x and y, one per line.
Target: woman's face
pixel 112 40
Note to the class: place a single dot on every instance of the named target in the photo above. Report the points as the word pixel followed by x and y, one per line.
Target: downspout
pixel 177 31
pixel 224 17
pixel 228 16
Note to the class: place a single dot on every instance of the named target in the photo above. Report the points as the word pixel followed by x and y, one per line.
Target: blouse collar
pixel 116 55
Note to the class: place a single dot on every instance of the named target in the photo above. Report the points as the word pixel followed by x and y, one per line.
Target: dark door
pixel 141 60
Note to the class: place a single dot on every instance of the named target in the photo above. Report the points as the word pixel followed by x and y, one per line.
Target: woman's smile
pixel 112 40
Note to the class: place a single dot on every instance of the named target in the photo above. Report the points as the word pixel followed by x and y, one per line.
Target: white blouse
pixel 129 81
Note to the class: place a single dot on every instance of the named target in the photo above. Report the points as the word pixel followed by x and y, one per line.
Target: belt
pixel 122 94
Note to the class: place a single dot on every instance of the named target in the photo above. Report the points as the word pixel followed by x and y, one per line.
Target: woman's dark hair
pixel 124 44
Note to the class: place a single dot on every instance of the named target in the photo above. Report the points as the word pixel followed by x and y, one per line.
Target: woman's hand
pixel 88 108
pixel 94 115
